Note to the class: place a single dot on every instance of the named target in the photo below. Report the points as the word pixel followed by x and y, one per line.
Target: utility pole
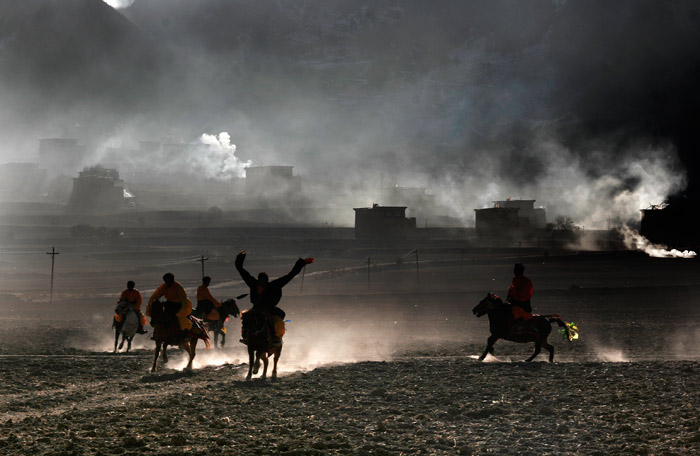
pixel 417 271
pixel 53 254
pixel 202 260
pixel 369 262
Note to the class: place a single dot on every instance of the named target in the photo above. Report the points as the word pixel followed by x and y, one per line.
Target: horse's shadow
pixel 156 378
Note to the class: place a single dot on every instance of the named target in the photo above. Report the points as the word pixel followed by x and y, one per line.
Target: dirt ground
pixel 378 363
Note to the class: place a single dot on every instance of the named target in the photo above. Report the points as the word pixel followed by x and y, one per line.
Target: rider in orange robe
pixel 204 296
pixel 133 297
pixel 176 295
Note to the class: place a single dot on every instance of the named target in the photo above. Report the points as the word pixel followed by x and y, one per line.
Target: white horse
pixel 130 323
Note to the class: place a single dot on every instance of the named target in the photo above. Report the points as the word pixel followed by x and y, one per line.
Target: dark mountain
pixel 63 55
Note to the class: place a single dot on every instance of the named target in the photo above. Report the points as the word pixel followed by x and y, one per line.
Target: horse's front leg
pixel 155 359
pixel 128 345
pixel 256 365
pixel 538 348
pixel 116 339
pixel 223 338
pixel 489 347
pixel 251 358
pixel 165 354
pixel 265 360
pixel 278 352
pixel 121 345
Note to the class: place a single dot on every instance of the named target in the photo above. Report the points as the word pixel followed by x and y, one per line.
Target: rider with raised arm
pixel 133 297
pixel 176 303
pixel 519 294
pixel 266 294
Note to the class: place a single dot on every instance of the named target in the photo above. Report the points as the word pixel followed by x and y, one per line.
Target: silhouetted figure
pixel 177 303
pixel 266 294
pixel 133 297
pixel 519 294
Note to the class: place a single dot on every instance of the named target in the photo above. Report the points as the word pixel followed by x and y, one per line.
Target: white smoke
pixel 119 4
pixel 220 157
pixel 633 239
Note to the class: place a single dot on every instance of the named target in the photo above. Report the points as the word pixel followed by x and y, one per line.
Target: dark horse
pixel 166 331
pixel 228 307
pixel 501 325
pixel 257 332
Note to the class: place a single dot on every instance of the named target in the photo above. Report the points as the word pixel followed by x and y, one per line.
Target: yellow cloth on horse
pixel 278 324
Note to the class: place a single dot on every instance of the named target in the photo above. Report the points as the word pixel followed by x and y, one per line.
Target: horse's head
pixel 231 307
pixel 487 304
pixel 253 323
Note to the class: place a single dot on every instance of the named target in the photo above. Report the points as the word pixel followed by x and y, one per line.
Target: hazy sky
pixel 590 107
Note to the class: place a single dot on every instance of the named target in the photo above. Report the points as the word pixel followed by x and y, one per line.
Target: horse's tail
pixel 562 324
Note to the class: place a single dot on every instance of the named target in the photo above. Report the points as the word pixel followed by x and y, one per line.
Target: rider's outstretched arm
pixel 296 269
pixel 245 275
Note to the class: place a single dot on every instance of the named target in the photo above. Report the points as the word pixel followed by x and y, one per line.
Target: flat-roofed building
pixel 383 222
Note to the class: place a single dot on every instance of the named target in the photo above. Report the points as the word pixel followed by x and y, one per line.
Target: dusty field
pixel 385 369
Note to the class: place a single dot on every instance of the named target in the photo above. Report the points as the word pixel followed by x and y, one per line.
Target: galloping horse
pixel 258 332
pixel 166 331
pixel 228 307
pixel 128 326
pixel 501 324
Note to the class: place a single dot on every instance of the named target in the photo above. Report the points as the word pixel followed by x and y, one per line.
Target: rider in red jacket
pixel 519 294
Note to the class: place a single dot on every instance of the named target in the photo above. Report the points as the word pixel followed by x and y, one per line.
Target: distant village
pixel 274 195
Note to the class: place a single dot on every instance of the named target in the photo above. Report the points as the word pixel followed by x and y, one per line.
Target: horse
pixel 228 307
pixel 128 326
pixel 501 324
pixel 257 334
pixel 166 331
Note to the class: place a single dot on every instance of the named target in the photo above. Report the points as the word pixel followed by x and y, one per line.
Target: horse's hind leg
pixel 538 348
pixel 121 345
pixel 223 339
pixel 489 347
pixel 549 347
pixel 116 340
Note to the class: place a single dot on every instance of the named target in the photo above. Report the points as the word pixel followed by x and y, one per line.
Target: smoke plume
pixel 634 240
pixel 219 159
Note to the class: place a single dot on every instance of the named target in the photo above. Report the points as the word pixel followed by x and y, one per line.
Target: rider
pixel 519 294
pixel 266 294
pixel 206 300
pixel 133 297
pixel 177 301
